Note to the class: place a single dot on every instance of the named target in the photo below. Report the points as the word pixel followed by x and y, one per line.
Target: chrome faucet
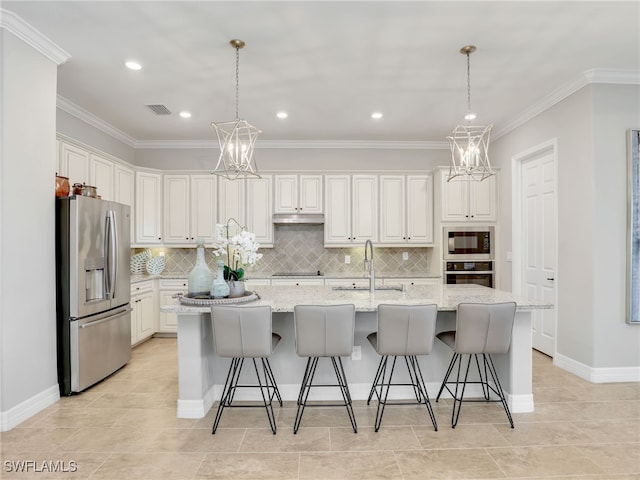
pixel 368 266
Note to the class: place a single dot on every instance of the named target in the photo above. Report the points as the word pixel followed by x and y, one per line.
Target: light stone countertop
pixel 136 278
pixel 447 297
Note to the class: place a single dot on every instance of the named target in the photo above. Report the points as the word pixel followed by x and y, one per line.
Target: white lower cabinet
pixel 144 314
pixel 168 291
pixel 347 282
pixel 297 282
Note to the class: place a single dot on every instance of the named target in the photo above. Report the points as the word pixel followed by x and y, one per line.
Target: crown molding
pixel 89 118
pixel 299 144
pixel 593 76
pixel 25 32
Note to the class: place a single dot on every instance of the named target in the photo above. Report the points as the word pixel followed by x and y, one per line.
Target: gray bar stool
pixel 324 331
pixel 481 329
pixel 406 331
pixel 245 332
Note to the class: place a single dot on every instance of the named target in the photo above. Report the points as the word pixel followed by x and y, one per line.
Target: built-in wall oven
pixel 475 272
pixel 469 243
pixel 468 253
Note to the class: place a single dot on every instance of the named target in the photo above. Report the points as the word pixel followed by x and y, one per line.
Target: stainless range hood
pixel 298 219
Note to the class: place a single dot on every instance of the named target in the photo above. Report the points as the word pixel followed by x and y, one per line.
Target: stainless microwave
pixel 469 243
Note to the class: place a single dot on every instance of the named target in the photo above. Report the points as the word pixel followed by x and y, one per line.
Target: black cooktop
pixel 317 273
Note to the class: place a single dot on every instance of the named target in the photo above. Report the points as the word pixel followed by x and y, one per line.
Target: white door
pixel 538 204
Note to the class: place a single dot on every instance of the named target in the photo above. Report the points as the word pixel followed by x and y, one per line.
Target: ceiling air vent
pixel 159 109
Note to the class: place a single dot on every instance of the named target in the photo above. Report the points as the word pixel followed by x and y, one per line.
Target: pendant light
pixel 470 143
pixel 236 138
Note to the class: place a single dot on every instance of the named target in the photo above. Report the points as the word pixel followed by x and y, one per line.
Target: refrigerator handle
pixel 111 254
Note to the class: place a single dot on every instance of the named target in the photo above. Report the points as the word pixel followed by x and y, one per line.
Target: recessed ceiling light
pixel 133 65
pixel 282 114
pixel 185 114
pixel 376 115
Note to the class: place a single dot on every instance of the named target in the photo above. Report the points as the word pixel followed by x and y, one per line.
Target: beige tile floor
pixel 126 428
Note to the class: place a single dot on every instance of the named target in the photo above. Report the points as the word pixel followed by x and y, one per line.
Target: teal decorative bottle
pixel 220 288
pixel 201 277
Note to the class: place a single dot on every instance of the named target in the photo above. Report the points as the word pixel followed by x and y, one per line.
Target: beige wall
pixel 590 127
pixel 27 231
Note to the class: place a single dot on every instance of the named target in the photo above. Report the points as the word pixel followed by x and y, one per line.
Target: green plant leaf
pixel 240 273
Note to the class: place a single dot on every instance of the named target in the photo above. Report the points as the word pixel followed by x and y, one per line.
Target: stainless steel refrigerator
pixel 93 290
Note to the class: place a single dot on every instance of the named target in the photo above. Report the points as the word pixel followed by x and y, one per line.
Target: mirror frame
pixel 633 228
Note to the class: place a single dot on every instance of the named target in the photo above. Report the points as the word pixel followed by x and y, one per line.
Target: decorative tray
pixel 204 300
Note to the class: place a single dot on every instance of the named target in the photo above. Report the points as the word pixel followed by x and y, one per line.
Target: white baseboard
pixel 198 408
pixel 359 391
pixel 28 408
pixel 597 375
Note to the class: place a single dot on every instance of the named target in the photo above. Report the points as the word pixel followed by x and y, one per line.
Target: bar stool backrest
pixel 406 329
pixel 242 332
pixel 324 330
pixel 484 327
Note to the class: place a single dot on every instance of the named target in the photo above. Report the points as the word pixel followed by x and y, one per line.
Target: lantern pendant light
pixel 470 143
pixel 236 138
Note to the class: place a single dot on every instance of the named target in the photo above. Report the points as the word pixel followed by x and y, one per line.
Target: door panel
pixel 539 238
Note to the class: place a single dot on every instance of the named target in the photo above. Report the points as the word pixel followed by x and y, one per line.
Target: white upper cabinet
pixel 465 200
pixel 74 163
pixel 148 208
pixel 364 208
pixel 204 189
pixel 406 209
pixel 124 185
pixel 420 209
pixel 231 200
pixel 298 194
pixel 250 202
pixel 351 214
pixel 189 208
pixel 101 176
pixel 259 211
pixel 124 191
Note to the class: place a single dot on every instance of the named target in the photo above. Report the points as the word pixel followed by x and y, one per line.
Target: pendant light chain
pixel 237 80
pixel 468 83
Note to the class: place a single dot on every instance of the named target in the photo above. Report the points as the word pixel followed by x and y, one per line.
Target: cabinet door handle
pixel 551 278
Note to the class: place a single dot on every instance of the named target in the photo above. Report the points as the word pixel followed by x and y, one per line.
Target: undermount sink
pixel 397 288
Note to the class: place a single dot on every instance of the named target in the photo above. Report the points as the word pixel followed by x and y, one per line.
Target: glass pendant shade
pixel 470 152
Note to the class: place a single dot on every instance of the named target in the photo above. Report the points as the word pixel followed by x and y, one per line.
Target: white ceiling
pixel 329 64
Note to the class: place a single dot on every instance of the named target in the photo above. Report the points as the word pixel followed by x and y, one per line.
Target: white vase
pixel 236 288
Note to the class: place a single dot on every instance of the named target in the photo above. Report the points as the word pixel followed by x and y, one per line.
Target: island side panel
pixel 196 364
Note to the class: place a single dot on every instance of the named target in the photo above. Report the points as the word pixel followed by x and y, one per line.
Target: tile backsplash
pixel 300 248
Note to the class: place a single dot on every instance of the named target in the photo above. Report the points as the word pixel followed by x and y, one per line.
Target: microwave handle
pixel 452 245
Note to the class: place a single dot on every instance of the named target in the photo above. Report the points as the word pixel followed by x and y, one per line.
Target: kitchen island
pixel 201 373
